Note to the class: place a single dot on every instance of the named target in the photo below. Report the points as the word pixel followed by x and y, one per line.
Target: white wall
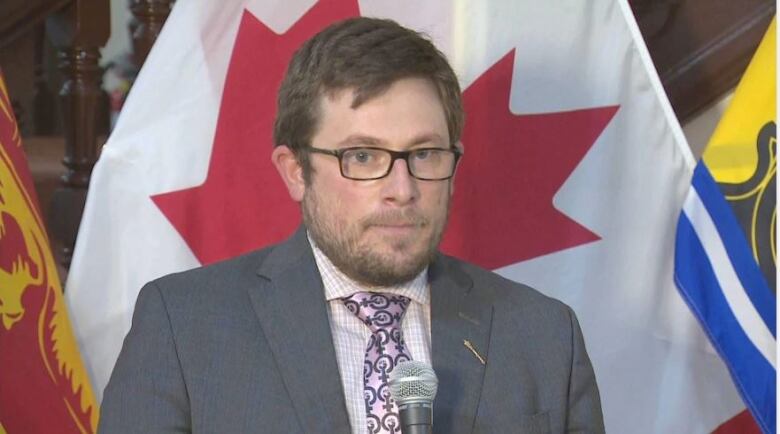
pixel 119 41
pixel 699 129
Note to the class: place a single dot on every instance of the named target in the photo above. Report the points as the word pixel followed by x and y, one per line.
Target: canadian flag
pixel 573 179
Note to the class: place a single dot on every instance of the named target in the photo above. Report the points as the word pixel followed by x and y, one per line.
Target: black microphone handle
pixel 416 419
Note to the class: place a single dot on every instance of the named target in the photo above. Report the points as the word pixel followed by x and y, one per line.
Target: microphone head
pixel 413 382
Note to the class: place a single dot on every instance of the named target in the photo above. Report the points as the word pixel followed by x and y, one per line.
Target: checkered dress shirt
pixel 350 335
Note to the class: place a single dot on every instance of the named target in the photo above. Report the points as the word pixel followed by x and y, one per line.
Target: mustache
pixel 408 217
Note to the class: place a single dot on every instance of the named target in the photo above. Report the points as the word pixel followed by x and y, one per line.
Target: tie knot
pixel 377 310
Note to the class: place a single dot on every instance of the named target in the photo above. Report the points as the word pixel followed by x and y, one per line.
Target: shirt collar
pixel 338 285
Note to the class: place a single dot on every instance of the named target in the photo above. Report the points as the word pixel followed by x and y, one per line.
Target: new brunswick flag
pixel 43 385
pixel 726 253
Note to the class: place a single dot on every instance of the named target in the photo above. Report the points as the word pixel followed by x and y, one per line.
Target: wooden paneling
pixel 18 17
pixel 701 47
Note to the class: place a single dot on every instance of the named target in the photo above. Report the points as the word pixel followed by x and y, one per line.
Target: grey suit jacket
pixel 244 346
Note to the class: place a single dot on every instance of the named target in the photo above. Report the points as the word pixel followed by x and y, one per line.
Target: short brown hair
pixel 364 54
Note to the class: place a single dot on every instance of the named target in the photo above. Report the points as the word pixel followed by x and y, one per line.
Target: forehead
pixel 408 108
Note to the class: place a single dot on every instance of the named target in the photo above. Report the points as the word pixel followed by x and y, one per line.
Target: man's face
pixel 385 231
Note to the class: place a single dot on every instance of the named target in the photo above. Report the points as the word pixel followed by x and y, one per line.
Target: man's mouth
pixel 402 227
pixel 397 220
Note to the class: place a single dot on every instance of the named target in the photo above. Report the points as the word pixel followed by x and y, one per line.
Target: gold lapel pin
pixel 471 348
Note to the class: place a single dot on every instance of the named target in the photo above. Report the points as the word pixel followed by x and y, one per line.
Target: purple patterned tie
pixel 382 314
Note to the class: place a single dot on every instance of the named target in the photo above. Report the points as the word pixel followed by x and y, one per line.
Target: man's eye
pixel 422 154
pixel 429 156
pixel 361 157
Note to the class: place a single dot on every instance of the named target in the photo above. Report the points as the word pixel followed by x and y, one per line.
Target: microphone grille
pixel 413 381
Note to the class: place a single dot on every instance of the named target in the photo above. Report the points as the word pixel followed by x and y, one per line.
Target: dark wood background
pixel 701 47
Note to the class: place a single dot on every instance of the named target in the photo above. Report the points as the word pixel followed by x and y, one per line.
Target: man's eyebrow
pixel 432 138
pixel 364 140
pixel 361 140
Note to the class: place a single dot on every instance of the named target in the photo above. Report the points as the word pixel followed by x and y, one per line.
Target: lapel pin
pixel 471 348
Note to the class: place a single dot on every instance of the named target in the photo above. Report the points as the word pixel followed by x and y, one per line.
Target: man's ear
pixel 459 147
pixel 290 170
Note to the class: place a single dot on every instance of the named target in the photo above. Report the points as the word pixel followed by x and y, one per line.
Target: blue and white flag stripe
pixel 721 282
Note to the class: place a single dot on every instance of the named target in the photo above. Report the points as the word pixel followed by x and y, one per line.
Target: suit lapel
pixel 460 318
pixel 292 311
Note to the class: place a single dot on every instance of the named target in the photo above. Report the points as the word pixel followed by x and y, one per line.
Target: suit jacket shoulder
pixel 536 376
pixel 224 348
pixel 499 288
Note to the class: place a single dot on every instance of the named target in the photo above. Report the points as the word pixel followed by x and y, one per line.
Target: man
pixel 300 337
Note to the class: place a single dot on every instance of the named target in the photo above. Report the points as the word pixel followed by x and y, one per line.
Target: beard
pixel 365 261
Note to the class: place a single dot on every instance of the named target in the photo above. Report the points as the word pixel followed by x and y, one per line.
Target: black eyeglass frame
pixel 394 155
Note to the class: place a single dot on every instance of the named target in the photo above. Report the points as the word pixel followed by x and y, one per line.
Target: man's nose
pixel 400 186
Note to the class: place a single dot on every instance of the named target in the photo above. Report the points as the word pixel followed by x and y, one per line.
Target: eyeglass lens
pixel 368 163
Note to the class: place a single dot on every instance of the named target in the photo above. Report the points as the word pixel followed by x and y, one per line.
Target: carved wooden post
pixel 78 31
pixel 148 19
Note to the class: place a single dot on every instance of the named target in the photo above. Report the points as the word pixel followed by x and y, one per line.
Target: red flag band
pixel 43 385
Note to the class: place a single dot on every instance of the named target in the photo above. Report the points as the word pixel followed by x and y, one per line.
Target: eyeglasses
pixel 366 163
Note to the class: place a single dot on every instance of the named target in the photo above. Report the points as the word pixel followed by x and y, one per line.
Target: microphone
pixel 413 386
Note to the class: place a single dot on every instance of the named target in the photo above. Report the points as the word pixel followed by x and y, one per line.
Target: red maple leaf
pixel 742 423
pixel 243 203
pixel 502 211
